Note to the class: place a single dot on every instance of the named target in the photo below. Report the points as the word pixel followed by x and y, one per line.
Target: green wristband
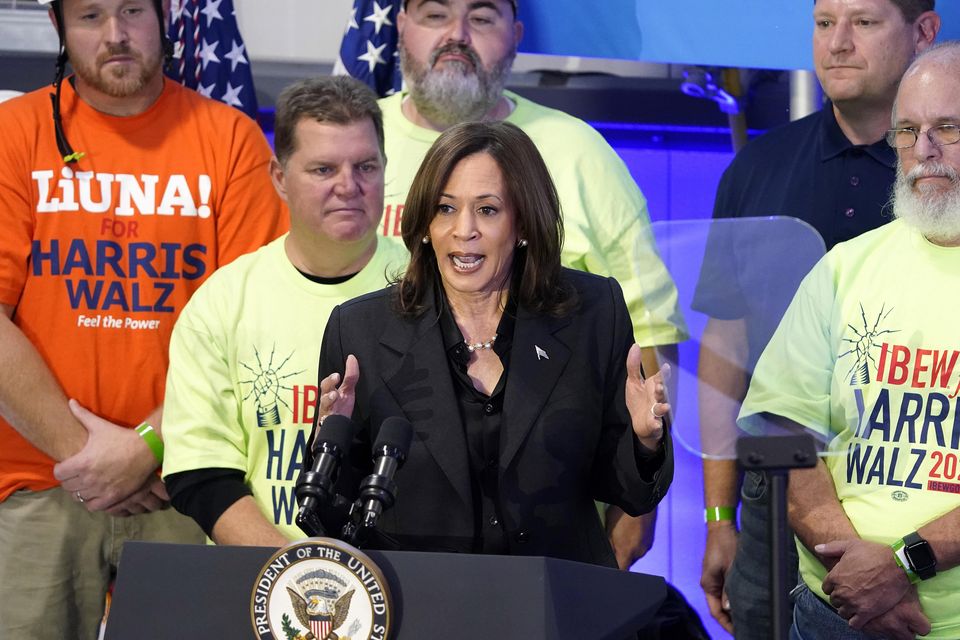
pixel 149 435
pixel 719 514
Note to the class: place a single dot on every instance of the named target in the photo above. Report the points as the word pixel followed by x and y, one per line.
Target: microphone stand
pixel 776 455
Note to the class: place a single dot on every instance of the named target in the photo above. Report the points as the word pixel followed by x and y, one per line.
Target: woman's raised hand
pixel 646 400
pixel 336 396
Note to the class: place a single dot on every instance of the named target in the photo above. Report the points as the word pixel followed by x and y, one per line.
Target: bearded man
pixel 456 56
pixel 833 170
pixel 118 198
pixel 867 357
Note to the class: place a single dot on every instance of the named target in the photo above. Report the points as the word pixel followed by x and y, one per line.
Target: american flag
pixel 368 51
pixel 209 54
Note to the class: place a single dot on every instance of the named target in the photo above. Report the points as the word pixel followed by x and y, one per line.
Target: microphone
pixel 378 490
pixel 315 487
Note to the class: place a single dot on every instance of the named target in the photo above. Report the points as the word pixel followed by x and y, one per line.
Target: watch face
pixel 921 558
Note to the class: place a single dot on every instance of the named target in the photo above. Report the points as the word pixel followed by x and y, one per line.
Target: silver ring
pixel 654 413
pixel 79 497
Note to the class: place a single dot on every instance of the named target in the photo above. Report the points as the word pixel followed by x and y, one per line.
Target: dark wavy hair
pixel 537 282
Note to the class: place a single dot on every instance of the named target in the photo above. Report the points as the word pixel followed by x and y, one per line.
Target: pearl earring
pixel 425 240
pixel 521 243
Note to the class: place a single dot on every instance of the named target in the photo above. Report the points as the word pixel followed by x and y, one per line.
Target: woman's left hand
pixel 337 392
pixel 646 400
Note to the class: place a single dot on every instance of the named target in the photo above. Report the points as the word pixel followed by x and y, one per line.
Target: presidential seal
pixel 320 589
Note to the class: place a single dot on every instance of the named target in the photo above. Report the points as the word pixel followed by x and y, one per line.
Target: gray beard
pixel 456 93
pixel 935 214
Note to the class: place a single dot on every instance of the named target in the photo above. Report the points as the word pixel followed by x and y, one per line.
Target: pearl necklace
pixel 481 345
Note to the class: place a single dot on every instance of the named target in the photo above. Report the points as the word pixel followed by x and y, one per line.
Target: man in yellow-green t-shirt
pixel 242 383
pixel 868 357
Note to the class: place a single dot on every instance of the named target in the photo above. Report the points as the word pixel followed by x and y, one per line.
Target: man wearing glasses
pixel 833 170
pixel 871 349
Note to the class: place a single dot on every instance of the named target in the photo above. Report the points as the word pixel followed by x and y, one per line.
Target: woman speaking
pixel 520 377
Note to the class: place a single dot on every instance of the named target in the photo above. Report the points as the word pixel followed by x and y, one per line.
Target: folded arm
pixel 108 465
pixel 860 580
pixel 31 400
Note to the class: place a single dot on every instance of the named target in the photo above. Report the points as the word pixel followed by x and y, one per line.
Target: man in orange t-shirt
pixel 99 252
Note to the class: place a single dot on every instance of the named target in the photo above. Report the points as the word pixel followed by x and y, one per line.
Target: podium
pixel 200 592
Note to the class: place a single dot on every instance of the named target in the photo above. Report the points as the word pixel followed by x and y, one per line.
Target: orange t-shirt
pixel 100 256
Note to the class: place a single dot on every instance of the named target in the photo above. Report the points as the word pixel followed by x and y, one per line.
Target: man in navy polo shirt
pixel 833 170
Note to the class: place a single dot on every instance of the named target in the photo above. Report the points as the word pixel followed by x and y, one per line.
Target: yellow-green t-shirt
pixel 242 382
pixel 605 220
pixel 868 355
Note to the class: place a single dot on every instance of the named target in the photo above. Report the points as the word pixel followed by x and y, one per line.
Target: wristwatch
pixel 920 556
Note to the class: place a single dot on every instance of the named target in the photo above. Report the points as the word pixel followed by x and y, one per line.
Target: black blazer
pixel 566 437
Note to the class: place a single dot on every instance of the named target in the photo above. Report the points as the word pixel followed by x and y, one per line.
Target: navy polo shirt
pixel 806 169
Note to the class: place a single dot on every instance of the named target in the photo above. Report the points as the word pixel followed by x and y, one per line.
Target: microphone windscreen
pixel 396 432
pixel 337 430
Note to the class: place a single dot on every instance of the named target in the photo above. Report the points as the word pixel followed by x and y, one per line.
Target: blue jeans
pixel 814 619
pixel 748 583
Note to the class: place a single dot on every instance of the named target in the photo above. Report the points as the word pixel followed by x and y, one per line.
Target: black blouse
pixel 481 417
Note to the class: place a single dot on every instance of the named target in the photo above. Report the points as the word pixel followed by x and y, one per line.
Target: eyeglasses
pixel 939 135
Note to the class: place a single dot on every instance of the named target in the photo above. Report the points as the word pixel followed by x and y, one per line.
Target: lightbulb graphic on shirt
pixel 267 382
pixel 863 341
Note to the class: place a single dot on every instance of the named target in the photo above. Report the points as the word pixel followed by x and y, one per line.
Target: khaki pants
pixel 57 561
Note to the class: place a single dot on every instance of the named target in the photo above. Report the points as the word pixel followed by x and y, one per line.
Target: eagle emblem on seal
pixel 319 604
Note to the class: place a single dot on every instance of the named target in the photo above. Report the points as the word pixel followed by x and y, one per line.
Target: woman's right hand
pixel 336 396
